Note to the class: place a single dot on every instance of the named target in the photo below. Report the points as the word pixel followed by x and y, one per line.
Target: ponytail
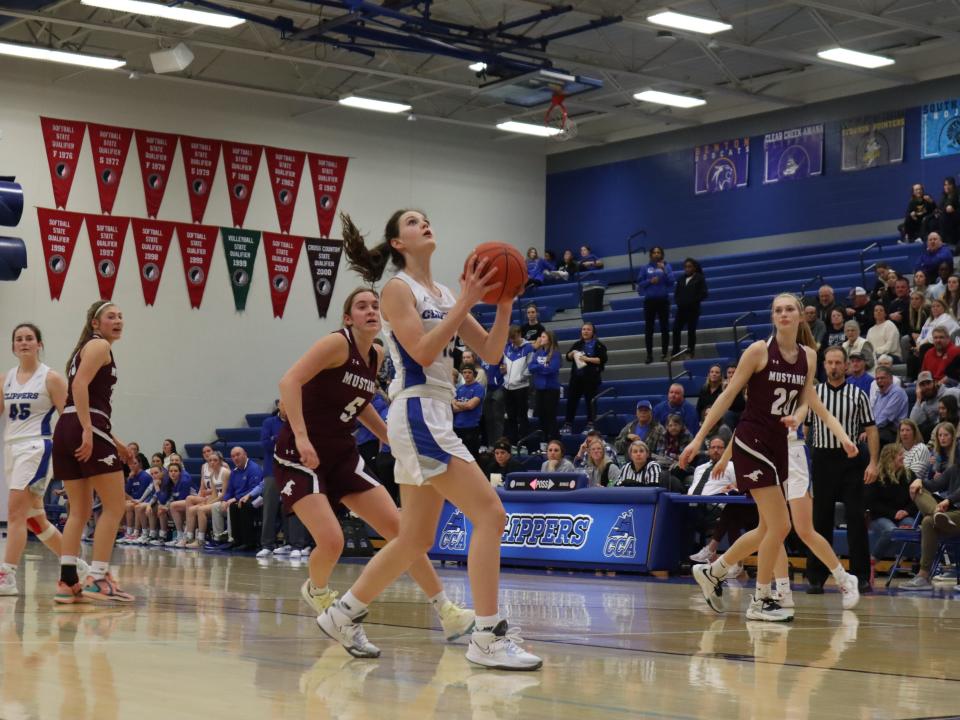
pixel 370 263
pixel 93 312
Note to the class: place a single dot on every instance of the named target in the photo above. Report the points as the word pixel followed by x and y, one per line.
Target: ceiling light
pixel 665 98
pixel 852 57
pixel 528 128
pixel 39 53
pixel 478 66
pixel 167 12
pixel 689 22
pixel 377 105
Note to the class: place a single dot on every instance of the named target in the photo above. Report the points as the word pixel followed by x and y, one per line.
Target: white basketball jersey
pixel 410 374
pixel 28 407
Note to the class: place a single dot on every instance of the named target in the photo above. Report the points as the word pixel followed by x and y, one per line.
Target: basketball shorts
pixel 759 463
pixel 343 476
pixel 798 474
pixel 420 431
pixel 26 464
pixel 67 437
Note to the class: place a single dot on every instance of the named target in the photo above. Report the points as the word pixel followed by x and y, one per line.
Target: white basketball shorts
pixel 27 464
pixel 798 475
pixel 420 431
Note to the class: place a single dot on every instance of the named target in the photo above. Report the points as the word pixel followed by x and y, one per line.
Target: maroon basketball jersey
pixel 101 387
pixel 773 393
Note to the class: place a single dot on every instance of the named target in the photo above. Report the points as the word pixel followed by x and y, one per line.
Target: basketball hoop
pixel 556 117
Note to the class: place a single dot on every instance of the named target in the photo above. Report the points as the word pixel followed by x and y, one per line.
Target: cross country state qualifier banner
pixel 793 154
pixel 283 252
pixel 62 139
pixel 110 146
pixel 871 142
pixel 240 250
pixel 152 240
pixel 721 166
pixel 324 258
pixel 196 251
pixel 941 129
pixel 107 234
pixel 58 234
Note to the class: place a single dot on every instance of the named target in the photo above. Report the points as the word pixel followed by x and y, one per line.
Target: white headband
pixel 100 309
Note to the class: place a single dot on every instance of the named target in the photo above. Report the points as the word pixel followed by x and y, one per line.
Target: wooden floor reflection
pixel 227 637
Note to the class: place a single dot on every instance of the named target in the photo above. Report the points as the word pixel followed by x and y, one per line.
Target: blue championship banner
pixel 793 154
pixel 941 129
pixel 721 166
pixel 872 142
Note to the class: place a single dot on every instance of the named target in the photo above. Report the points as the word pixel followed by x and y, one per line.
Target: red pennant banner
pixel 286 167
pixel 241 163
pixel 152 239
pixel 283 252
pixel 58 233
pixel 63 139
pixel 156 151
pixel 107 235
pixel 110 146
pixel 327 173
pixel 196 251
pixel 200 160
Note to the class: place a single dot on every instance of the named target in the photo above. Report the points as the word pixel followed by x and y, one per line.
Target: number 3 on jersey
pixel 783 401
pixel 351 409
pixel 20 412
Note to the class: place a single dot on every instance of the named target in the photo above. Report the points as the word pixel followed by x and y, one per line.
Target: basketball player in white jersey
pixel 420 320
pixel 31 393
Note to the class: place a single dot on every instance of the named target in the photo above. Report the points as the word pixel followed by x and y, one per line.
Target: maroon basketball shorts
pixel 759 461
pixel 337 478
pixel 67 437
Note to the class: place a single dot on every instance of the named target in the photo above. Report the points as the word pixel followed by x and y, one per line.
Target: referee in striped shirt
pixel 838 478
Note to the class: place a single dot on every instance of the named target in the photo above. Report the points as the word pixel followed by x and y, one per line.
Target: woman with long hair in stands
pixel 778 375
pixel 88 457
pixel 421 318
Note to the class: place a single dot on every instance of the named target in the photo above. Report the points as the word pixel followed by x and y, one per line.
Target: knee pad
pixel 38 525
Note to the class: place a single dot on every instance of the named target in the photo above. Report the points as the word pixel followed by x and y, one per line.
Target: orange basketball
pixel 511 270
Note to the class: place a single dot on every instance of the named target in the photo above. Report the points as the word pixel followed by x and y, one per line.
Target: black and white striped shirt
pixel 848 404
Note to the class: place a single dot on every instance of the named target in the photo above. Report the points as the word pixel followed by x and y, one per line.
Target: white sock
pixel 839 574
pixel 440 599
pixel 719 568
pixel 8 568
pixel 763 591
pixel 200 535
pixel 68 560
pixel 188 536
pixel 783 585
pixel 487 622
pixel 99 569
pixel 129 530
pixel 351 605
pixel 315 590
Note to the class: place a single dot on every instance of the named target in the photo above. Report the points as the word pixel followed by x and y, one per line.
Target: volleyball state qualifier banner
pixel 793 154
pixel 721 166
pixel 871 142
pixel 109 145
pixel 107 234
pixel 327 173
pixel 283 252
pixel 196 252
pixel 59 230
pixel 285 168
pixel 940 134
pixel 241 162
pixel 200 160
pixel 152 240
pixel 155 150
pixel 62 140
pixel 240 250
pixel 324 258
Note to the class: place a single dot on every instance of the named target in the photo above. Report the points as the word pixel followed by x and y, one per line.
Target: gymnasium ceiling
pixel 768 60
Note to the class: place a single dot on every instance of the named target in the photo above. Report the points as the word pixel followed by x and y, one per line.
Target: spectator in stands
pixel 935 253
pixel 213 481
pixel 469 357
pixel 516 380
pixel 944 453
pixel 554 273
pixel 947 410
pixel 136 486
pixel 502 462
pixel 854 343
pixel 675 404
pixel 644 427
pixel 555 461
pixel 926 410
pixel 944 271
pixel 879 289
pixel 942 358
pixel 467 408
pixel 641 470
pixel 545 369
pixel 890 406
pixel 156 460
pixel 913 325
pixel 921 284
pixel 674 440
pixel 861 309
pixel 494 401
pixel 951 295
pixel 655 282
pixel 243 490
pixel 569 265
pixel 690 292
pixel 601 471
pixel 581 457
pixel 836 336
pixel 274 519
pixel 888 501
pixel 826 302
pixel 732 416
pixel 168 448
pixel 588 261
pixel 919 208
pixel 947 218
pixel 533 327
pixel 940 505
pixel 588 357
pixel 537 267
pixel 916 453
pixel 898 307
pixel 940 317
pixel 884 336
pixel 180 487
pixel 146 516
pixel 857 369
pixel 817 326
pixel 710 391
pixel 887 362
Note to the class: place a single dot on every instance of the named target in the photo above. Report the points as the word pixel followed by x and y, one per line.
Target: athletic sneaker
pixel 283 550
pixel 194 545
pixel 144 540
pixel 171 543
pixel 734 571
pixel 704 555
pixel 264 552
pixel 768 610
pixel 305 553
pixel 711 586
pixel 785 599
pixel 457 621
pixel 105 589
pixel 8 583
pixel 296 554
pixel 337 625
pixel 500 649
pixel 82 568
pixel 69 594
pixel 918 583
pixel 157 542
pixel 319 601
pixel 850 588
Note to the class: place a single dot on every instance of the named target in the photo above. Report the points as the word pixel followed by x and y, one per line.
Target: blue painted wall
pixel 602 205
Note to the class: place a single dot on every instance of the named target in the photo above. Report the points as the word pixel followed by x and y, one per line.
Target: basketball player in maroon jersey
pixel 778 375
pixel 88 457
pixel 318 466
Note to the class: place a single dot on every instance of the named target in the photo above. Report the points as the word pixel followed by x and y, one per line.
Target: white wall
pixel 184 372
